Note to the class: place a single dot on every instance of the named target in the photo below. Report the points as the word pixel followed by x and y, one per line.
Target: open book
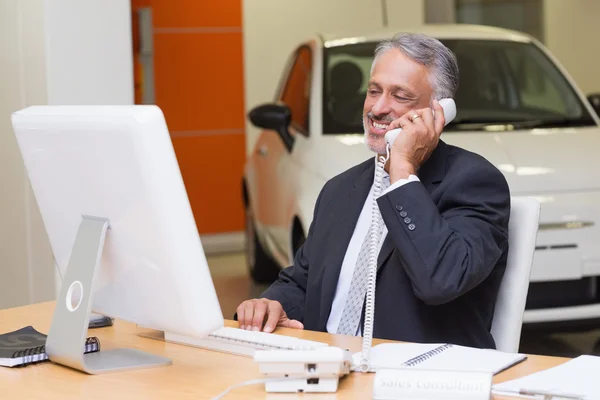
pixel 439 357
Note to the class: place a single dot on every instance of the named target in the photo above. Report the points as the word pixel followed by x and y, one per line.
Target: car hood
pixel 533 161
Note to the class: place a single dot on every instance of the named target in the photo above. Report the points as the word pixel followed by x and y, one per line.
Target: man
pixel 445 217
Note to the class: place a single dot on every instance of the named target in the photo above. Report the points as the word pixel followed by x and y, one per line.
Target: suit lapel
pixel 347 206
pixel 386 250
pixel 433 170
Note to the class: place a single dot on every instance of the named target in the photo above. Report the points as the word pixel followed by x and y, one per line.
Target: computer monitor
pixel 120 225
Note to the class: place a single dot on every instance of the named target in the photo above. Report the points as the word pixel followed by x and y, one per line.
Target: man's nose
pixel 381 106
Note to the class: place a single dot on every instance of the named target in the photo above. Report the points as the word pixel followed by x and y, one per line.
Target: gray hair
pixel 429 52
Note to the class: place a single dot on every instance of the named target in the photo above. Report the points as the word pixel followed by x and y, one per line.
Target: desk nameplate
pixel 419 384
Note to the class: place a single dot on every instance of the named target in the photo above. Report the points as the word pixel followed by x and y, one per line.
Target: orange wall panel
pixel 212 167
pixel 199 80
pixel 197 13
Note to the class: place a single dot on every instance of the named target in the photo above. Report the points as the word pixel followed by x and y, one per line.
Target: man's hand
pixel 253 313
pixel 419 137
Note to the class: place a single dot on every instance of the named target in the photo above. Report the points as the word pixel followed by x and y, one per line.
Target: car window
pixel 501 82
pixel 512 82
pixel 296 90
pixel 346 86
pixel 485 82
pixel 539 88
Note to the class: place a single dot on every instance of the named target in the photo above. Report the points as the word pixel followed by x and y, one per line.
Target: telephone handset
pixel 449 114
pixel 449 108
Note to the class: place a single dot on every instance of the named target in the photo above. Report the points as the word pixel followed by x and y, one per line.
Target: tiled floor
pixel 233 286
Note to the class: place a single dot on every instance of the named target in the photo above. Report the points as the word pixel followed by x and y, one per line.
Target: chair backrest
pixel 510 304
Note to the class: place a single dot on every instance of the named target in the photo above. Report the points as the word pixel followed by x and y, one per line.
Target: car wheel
pixel 299 240
pixel 261 267
pixel 596 349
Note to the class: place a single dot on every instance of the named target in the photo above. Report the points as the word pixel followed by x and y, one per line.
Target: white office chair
pixel 510 304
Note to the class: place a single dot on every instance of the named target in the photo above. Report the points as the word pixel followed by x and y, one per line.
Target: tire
pixel 261 267
pixel 299 240
pixel 596 349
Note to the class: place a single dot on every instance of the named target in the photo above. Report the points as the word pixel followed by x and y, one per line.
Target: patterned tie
pixel 358 287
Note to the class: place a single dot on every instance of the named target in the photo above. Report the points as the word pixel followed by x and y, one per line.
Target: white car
pixel 516 106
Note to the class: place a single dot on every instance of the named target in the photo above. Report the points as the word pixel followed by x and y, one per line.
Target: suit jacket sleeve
pixel 449 248
pixel 290 287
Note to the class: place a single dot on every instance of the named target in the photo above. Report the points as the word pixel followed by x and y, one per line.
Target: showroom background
pixel 205 63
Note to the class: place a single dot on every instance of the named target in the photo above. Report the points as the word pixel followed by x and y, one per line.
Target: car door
pixel 296 95
pixel 274 161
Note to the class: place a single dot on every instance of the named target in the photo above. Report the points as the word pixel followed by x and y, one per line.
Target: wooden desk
pixel 195 373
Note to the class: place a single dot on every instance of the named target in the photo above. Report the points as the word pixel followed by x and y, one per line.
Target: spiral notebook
pixel 27 346
pixel 440 357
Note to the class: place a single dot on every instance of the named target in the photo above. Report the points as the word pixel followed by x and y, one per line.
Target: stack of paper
pixel 577 378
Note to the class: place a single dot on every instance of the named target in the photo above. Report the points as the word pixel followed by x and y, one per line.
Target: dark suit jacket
pixel 440 265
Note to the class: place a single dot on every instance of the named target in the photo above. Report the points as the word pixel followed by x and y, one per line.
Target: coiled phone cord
pixel 374 240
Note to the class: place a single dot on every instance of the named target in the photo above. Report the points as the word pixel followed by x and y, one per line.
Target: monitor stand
pixel 66 339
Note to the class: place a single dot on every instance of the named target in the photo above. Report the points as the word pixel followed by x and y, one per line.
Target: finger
pixel 275 311
pixel 415 116
pixel 291 323
pixel 240 315
pixel 440 118
pixel 294 324
pixel 249 315
pixel 260 310
pixel 401 122
pixel 427 119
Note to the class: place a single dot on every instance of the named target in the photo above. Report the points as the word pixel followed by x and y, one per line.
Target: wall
pixel 88 46
pixel 571 32
pixel 198 83
pixel 51 52
pixel 272 28
pixel 440 11
pixel 525 16
pixel 15 259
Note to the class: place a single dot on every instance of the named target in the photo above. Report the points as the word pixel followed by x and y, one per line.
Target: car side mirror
pixel 274 116
pixel 594 99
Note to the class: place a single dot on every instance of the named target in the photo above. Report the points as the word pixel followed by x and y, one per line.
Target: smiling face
pixel 398 84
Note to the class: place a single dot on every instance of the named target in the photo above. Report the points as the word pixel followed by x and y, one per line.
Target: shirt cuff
pixel 400 182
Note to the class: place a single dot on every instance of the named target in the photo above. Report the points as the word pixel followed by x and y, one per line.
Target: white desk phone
pixel 318 370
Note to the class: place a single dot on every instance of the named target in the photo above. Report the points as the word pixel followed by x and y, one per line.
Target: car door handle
pixel 262 151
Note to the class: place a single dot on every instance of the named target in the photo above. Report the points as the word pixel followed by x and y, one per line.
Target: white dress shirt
pixel 360 232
